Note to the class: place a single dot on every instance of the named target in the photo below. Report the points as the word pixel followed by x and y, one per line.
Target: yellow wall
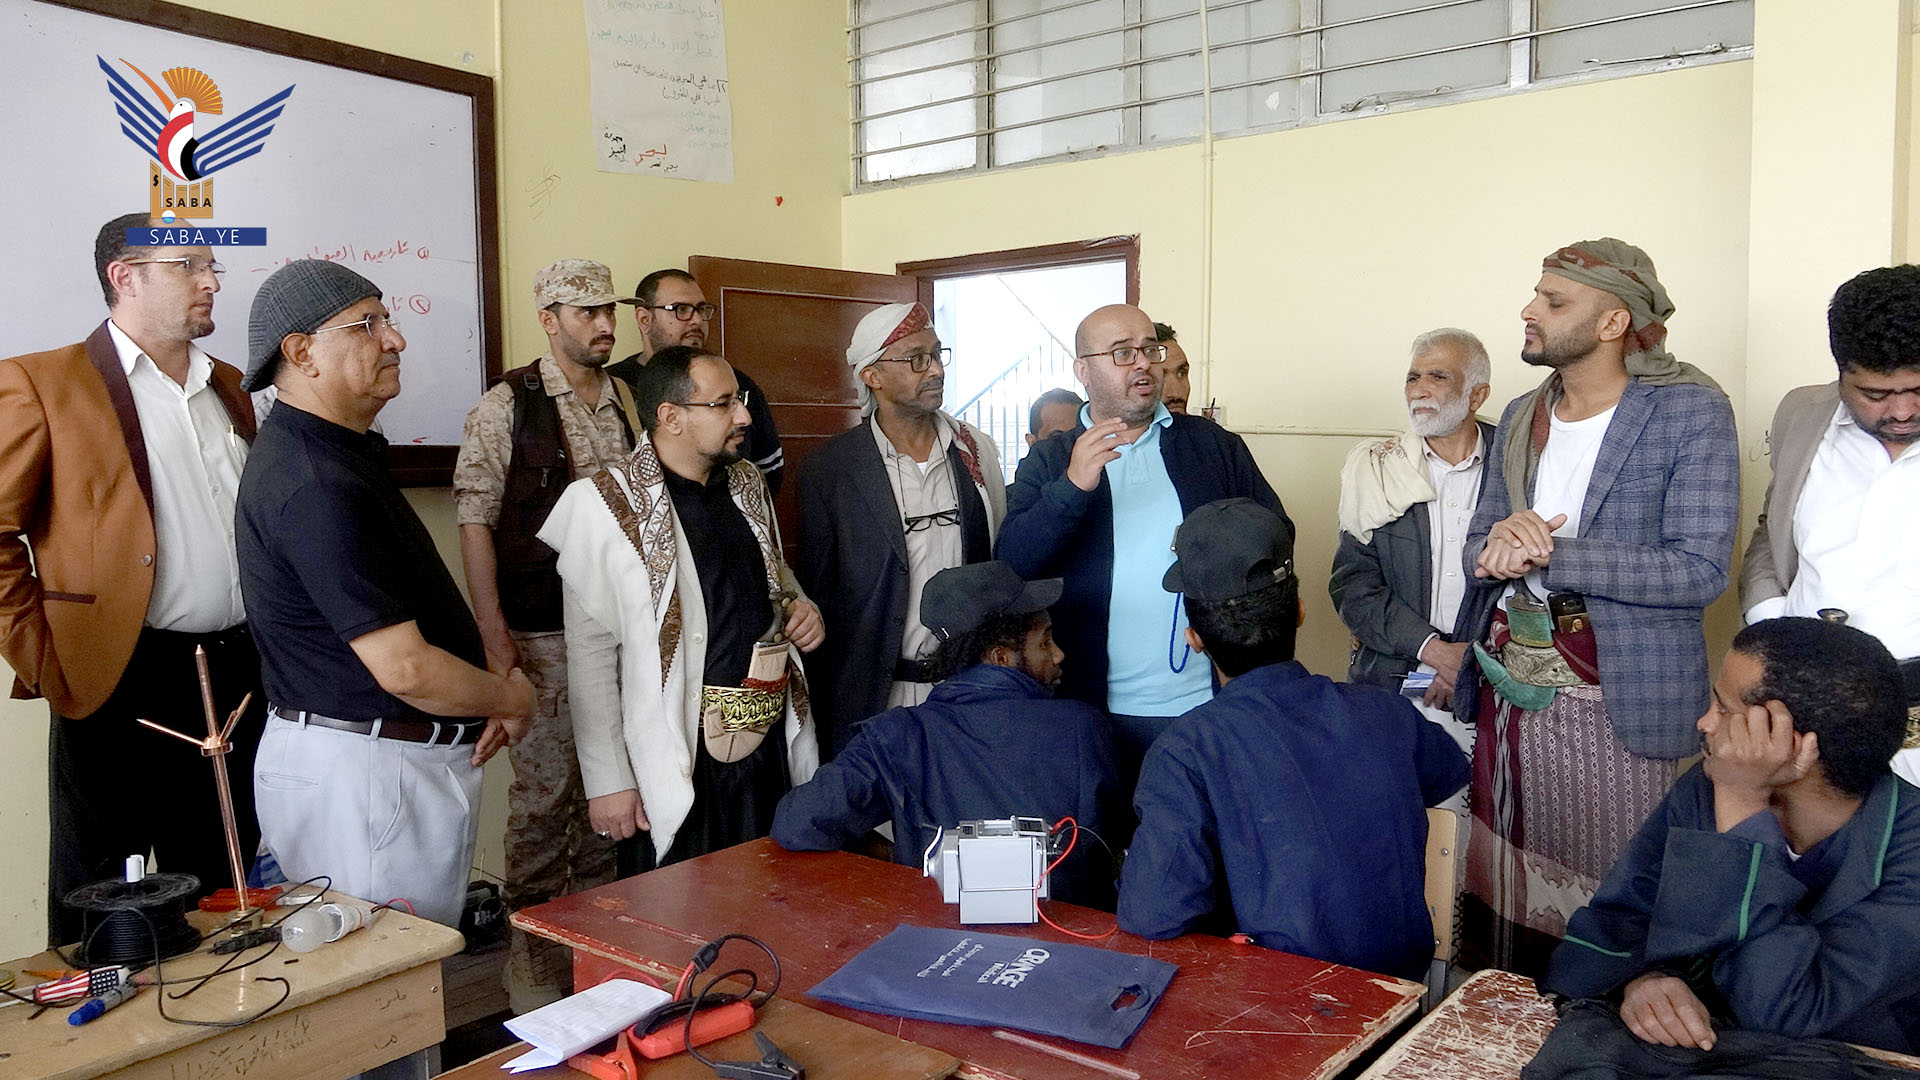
pixel 1333 245
pixel 1328 248
pixel 787 64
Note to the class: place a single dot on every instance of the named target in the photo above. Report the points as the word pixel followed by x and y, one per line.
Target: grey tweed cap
pixel 296 299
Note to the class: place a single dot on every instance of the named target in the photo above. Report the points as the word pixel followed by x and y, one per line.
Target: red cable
pixel 1074 836
pixel 686 976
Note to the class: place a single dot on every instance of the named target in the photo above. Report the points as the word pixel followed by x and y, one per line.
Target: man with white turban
pixel 909 492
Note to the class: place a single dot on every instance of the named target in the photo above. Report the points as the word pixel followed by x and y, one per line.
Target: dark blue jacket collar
pixel 987 682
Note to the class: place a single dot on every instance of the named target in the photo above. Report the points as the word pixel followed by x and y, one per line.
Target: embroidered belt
pixel 743 708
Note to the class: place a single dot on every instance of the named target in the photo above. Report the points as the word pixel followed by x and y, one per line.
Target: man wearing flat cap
pixel 684 628
pixel 382 708
pixel 119 459
pixel 1607 526
pixel 1298 800
pixel 884 507
pixel 543 426
pixel 990 741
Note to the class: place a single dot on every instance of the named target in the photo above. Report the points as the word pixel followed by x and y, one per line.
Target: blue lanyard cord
pixel 1173 636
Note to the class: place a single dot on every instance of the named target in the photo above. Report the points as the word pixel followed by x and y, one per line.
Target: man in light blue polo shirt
pixel 1098 505
pixel 1149 677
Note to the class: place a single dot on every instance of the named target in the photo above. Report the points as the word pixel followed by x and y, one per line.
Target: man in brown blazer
pixel 1843 507
pixel 119 461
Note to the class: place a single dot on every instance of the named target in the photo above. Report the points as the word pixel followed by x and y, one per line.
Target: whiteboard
pixel 376 172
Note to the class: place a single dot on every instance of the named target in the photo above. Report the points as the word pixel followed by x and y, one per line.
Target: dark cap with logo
pixel 1228 549
pixel 297 299
pixel 962 598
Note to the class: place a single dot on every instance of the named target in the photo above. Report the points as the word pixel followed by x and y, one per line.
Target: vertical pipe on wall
pixel 1206 209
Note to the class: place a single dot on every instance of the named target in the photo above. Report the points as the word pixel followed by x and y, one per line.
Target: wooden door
pixel 788 326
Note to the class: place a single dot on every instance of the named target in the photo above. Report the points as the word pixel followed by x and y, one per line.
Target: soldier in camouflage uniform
pixel 551 849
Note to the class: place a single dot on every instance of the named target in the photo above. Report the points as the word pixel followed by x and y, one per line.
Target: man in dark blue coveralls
pixel 1290 807
pixel 1777 888
pixel 991 741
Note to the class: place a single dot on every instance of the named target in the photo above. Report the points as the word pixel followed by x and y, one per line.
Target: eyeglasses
pixel 374 324
pixel 921 361
pixel 1124 355
pixel 685 312
pixel 193 267
pixel 923 522
pixel 742 399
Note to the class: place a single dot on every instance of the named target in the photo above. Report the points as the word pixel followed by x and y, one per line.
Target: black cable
pixel 160 995
pixel 116 936
pixel 230 964
pixel 711 951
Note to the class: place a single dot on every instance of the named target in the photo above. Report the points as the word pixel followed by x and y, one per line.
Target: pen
pixel 92 1009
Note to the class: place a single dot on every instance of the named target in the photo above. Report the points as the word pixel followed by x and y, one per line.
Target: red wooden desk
pixel 1232 1011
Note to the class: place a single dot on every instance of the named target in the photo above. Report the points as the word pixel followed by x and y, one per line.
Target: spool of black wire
pixel 123 920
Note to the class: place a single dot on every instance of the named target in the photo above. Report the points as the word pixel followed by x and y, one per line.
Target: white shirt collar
pixel 1472 459
pixel 199 364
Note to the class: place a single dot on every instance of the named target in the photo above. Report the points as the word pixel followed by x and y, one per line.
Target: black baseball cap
pixel 1227 549
pixel 961 598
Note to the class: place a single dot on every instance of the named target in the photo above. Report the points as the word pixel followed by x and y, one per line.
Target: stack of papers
pixel 578 1023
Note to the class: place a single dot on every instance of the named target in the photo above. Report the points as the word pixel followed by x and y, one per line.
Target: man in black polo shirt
pixel 381 708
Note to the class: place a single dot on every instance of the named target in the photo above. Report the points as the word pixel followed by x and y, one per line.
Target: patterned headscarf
pixel 882 327
pixel 1616 267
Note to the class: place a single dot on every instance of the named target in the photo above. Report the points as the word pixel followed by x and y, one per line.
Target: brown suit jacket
pixel 76 520
pixel 1798 426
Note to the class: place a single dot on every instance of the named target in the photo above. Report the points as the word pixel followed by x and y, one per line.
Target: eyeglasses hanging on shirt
pixel 923 522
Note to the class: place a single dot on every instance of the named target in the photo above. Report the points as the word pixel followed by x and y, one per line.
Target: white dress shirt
pixel 194 455
pixel 921 488
pixel 1854 527
pixel 1449 516
pixel 1456 491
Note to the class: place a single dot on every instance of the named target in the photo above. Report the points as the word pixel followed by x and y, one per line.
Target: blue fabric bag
pixel 990 980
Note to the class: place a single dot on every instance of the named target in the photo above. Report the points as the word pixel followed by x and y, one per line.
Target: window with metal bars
pixel 944 86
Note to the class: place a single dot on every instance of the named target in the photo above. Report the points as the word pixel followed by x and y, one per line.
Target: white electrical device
pixel 995 870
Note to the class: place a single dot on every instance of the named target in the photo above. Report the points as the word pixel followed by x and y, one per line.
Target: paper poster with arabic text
pixel 659 88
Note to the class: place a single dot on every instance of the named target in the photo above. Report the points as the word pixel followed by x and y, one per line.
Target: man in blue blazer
pixel 1612 500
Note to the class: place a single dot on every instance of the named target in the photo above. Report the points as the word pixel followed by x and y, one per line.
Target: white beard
pixel 1445 420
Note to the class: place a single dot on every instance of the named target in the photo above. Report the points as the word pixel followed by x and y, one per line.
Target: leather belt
pixel 430 732
pixel 913 671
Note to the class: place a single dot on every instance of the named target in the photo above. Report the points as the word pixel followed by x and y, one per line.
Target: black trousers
pixel 117 788
pixel 733 802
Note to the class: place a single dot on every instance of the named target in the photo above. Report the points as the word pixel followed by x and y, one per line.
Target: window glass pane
pixel 1354 88
pixel 1173 73
pixel 951 57
pixel 1728 25
pixel 1011 332
pixel 1272 98
pixel 1022 95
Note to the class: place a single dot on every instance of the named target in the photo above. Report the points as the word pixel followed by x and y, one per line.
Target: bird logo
pixel 168 135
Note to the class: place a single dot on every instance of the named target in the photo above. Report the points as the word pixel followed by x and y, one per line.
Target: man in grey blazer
pixel 1405 506
pixel 1837 530
pixel 1608 523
